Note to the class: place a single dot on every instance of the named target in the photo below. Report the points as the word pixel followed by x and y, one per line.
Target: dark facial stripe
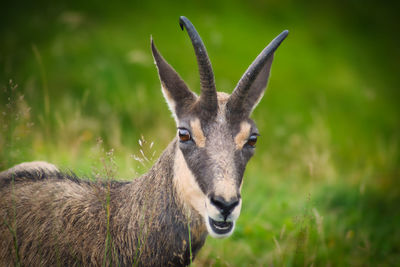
pixel 198 162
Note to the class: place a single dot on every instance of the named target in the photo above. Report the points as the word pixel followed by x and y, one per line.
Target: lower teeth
pixel 221 225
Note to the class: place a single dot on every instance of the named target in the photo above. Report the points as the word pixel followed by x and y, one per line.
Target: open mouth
pixel 220 227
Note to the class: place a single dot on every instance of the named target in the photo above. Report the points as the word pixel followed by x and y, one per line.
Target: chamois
pixel 49 217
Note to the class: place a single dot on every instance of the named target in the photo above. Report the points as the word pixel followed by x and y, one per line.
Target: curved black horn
pixel 240 94
pixel 208 97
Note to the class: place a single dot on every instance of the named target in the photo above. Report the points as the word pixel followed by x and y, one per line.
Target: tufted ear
pixel 176 93
pixel 251 87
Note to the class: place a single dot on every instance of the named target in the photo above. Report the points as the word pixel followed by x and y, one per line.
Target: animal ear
pixel 251 87
pixel 258 87
pixel 178 96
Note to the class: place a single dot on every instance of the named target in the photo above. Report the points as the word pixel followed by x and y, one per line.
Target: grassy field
pixel 78 86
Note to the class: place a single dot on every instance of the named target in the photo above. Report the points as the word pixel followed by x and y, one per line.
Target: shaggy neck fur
pixel 70 222
pixel 159 216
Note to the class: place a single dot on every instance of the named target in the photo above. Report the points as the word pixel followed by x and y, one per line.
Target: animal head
pixel 216 137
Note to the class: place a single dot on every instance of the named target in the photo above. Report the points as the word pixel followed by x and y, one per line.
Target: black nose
pixel 225 207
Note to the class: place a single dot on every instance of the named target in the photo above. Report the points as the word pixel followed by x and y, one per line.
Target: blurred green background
pixel 79 89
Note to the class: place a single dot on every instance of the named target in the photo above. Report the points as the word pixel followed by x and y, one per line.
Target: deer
pixel 162 218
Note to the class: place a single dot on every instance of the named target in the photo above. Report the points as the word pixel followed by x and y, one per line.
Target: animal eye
pixel 252 140
pixel 184 135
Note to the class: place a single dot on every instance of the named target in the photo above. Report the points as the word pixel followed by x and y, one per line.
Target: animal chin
pixel 220 229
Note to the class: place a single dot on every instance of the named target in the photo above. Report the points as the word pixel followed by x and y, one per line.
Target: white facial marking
pixel 243 135
pixel 193 197
pixel 197 132
pixel 186 185
pixel 216 216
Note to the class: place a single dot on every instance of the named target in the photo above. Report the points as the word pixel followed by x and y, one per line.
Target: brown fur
pixel 51 218
pixel 58 220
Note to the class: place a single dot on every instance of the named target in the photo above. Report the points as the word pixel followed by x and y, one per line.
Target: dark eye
pixel 252 140
pixel 184 135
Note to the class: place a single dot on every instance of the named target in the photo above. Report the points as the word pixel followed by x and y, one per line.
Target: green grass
pixel 323 187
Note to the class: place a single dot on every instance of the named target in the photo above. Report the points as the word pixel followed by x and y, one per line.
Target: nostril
pixel 233 204
pixel 225 207
pixel 218 202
